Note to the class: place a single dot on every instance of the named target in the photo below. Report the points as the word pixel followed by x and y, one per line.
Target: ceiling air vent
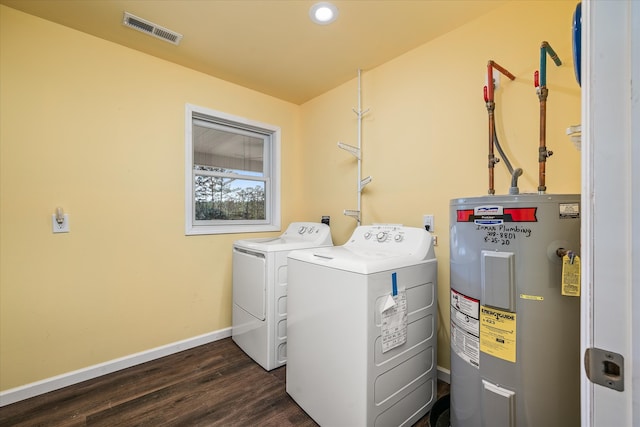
pixel 150 28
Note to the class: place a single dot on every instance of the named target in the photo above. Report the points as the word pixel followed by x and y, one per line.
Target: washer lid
pixel 374 248
pixel 356 260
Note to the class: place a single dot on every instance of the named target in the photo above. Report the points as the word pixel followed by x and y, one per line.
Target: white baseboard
pixel 17 394
pixel 444 375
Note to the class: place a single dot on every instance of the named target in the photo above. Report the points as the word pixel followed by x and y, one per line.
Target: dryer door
pixel 250 281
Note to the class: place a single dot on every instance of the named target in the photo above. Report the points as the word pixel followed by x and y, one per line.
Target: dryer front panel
pixel 250 281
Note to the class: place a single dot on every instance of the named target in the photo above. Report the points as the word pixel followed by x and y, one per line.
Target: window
pixel 232 174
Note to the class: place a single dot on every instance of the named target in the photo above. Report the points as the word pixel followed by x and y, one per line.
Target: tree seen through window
pixel 227 197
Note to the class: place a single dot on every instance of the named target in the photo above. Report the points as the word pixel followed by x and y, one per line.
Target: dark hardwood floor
pixel 211 385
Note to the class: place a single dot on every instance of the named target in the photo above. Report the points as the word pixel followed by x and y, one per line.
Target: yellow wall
pixel 425 138
pixel 98 129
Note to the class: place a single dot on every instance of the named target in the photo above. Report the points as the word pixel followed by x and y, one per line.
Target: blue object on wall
pixel 576 35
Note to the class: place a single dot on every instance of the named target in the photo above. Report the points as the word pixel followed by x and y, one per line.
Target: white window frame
pixel 272 171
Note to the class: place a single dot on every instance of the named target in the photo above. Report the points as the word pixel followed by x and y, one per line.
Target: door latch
pixel 605 368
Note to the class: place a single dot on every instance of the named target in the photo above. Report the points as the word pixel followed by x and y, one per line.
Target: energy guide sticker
pixel 498 333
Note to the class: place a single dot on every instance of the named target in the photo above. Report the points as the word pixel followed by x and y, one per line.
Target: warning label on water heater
pixel 495 215
pixel 498 333
pixel 465 328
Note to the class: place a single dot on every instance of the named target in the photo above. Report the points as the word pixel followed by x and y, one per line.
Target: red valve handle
pixel 536 79
pixel 486 94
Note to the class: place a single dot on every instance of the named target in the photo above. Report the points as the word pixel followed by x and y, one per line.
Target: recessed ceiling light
pixel 323 13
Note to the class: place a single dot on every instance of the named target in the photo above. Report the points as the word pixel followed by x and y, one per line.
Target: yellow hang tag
pixel 571 276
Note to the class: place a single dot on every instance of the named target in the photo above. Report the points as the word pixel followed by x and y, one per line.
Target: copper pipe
pixel 488 99
pixel 542 149
pixel 552 53
pixel 502 70
pixel 489 94
pixel 490 66
pixel 492 159
pixel 540 81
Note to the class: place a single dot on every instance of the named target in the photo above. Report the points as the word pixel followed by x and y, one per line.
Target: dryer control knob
pixel 367 235
pixel 398 237
pixel 381 236
pixel 302 229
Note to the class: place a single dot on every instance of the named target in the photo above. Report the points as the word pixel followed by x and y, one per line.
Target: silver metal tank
pixel 515 339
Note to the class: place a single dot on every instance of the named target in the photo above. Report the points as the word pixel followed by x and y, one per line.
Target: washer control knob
pixel 381 236
pixel 398 237
pixel 302 229
pixel 367 235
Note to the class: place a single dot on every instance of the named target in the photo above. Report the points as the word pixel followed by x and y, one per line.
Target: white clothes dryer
pixel 361 326
pixel 259 313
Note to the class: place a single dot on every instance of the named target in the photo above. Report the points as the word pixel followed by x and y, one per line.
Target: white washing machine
pixel 259 315
pixel 350 361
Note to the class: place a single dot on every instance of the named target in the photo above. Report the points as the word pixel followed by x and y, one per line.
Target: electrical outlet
pixel 62 227
pixel 427 221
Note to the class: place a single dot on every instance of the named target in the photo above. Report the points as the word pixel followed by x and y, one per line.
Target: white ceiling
pixel 270 46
